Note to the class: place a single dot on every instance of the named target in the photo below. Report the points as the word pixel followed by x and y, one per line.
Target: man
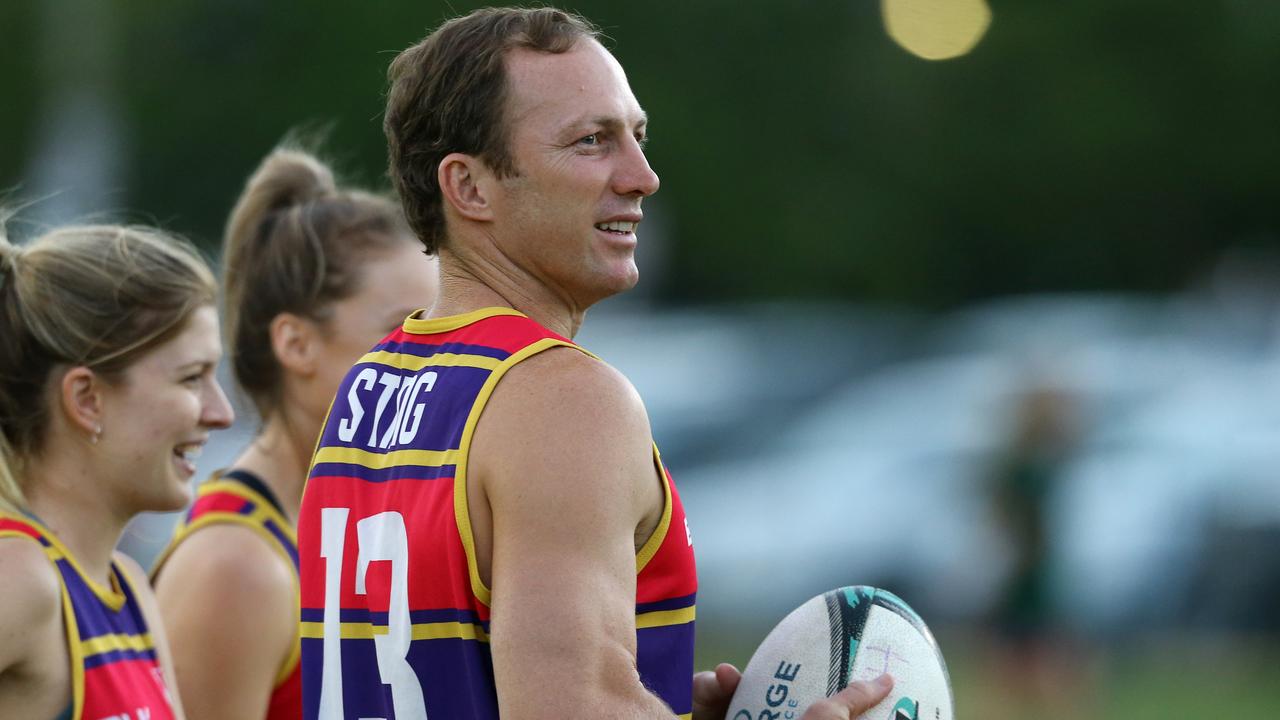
pixel 488 528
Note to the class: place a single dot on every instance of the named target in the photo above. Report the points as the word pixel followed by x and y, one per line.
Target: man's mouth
pixel 617 226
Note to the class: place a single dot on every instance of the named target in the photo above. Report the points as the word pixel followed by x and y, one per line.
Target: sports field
pixel 1160 678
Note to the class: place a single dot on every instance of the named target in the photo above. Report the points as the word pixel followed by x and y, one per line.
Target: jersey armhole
pixel 651 546
pixel 226 518
pixel 75 653
pixel 461 512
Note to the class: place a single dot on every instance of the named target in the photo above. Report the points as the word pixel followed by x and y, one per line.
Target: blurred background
pixel 977 302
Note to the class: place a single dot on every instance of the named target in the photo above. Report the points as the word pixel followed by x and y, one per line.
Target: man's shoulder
pixel 565 400
pixel 567 438
pixel 566 379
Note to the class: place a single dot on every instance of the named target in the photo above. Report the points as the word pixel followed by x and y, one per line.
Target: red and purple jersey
pixel 395 617
pixel 114 671
pixel 240 498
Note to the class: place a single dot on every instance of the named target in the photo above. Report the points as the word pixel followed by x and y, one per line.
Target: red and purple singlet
pixel 238 498
pixel 395 618
pixel 114 671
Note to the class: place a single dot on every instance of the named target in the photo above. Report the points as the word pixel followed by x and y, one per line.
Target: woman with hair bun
pixel 108 343
pixel 314 276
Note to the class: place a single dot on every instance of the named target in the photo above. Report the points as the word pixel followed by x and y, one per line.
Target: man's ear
pixel 295 341
pixel 466 183
pixel 80 396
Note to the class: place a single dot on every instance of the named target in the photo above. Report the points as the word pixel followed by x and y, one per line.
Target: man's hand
pixel 852 701
pixel 712 691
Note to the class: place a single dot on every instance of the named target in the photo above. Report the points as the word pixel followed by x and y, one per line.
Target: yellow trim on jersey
pixel 431 326
pixel 49 552
pixel 686 716
pixel 74 652
pixel 421 631
pixel 264 507
pixel 246 521
pixel 263 510
pixel 414 363
pixel 111 597
pixel 663 618
pixel 116 641
pixel 460 511
pixel 449 630
pixel 381 461
pixel 654 543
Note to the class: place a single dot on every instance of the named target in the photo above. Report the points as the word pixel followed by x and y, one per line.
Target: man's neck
pixel 468 286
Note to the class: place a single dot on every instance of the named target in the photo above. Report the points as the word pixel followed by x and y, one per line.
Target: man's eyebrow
pixel 608 122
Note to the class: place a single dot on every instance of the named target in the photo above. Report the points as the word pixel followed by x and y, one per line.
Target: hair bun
pixel 286 179
pixel 291 177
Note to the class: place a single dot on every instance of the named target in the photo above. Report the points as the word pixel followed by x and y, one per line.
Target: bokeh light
pixel 936 29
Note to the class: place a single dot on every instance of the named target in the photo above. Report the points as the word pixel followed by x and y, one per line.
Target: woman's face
pixel 157 418
pixel 393 284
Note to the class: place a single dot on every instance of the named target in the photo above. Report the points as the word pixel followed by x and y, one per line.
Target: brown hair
pixel 294 244
pixel 448 94
pixel 97 296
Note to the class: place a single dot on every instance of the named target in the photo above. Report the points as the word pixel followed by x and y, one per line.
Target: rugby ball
pixel 847 634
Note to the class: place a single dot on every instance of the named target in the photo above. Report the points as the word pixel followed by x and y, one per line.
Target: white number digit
pixel 380 537
pixel 383 537
pixel 333 538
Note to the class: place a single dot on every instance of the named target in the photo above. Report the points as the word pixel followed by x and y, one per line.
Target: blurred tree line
pixel 1097 144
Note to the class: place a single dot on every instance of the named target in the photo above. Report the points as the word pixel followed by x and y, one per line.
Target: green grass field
pixel 1157 678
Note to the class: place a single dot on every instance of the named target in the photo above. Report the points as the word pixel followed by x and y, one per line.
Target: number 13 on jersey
pixel 379 538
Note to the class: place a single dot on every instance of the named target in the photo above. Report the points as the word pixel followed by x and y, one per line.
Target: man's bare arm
pixel 565 461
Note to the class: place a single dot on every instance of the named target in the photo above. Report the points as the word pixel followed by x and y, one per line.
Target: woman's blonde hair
pixel 97 296
pixel 295 243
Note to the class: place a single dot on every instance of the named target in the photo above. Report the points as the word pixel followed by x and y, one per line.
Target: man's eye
pixel 592 139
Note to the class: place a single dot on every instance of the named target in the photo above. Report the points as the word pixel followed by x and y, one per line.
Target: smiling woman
pixel 315 275
pixel 106 393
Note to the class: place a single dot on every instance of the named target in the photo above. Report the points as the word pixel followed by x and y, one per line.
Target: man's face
pixel 568 214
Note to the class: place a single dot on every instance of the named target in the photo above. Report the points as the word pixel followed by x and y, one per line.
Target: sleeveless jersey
pixel 240 498
pixel 395 617
pixel 114 671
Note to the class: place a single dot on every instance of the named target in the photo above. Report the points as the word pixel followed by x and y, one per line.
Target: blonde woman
pixel 314 276
pixel 108 342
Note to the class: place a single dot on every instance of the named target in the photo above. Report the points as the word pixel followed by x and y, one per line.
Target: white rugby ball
pixel 847 634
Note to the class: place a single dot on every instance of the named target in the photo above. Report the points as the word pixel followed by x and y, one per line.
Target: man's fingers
pixel 862 696
pixel 851 702
pixel 728 677
pixel 712 690
pixel 705 685
pixel 710 686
